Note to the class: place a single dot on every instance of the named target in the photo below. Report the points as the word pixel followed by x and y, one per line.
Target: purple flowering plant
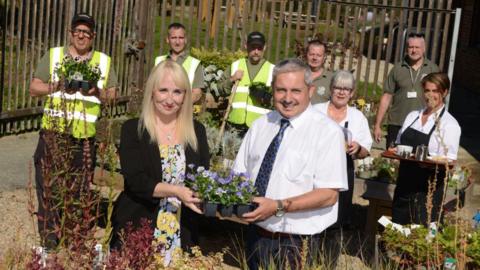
pixel 224 187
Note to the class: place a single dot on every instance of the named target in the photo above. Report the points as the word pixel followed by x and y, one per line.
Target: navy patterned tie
pixel 265 171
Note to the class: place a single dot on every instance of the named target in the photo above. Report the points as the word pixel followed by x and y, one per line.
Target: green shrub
pixel 219 58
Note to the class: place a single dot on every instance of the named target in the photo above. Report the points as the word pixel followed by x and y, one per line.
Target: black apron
pixel 345 197
pixel 410 197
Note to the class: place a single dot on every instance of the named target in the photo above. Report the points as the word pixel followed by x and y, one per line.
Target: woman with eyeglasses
pixel 156 151
pixel 434 127
pixel 358 140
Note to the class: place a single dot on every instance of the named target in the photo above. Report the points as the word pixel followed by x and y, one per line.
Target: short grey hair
pixel 292 65
pixel 342 78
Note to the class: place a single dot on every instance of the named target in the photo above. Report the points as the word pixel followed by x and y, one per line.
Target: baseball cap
pixel 83 18
pixel 256 38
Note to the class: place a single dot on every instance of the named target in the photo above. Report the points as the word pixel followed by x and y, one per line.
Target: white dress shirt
pixel 357 124
pixel 311 155
pixel 448 130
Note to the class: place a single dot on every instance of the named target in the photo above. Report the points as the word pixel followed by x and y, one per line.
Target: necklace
pixel 169 134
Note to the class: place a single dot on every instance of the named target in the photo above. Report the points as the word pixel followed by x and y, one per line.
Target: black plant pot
pixel 226 210
pixel 81 85
pixel 209 209
pixel 241 209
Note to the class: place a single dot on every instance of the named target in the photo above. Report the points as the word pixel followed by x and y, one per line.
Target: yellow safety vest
pixel 74 113
pixel 190 65
pixel 244 109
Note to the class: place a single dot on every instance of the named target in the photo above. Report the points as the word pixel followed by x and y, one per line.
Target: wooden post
pixel 205 9
pixel 141 29
pixel 213 26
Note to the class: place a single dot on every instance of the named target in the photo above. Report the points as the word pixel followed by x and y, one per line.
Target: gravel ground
pixel 17 228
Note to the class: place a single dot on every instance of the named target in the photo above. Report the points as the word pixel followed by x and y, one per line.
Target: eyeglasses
pixel 416 35
pixel 86 33
pixel 342 89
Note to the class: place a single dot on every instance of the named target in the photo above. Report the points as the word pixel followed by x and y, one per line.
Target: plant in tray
pixel 453 242
pixel 226 189
pixel 262 94
pixel 77 74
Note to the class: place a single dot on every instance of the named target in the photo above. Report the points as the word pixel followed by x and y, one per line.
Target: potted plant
pixel 453 244
pixel 224 191
pixel 387 169
pixel 244 194
pixel 261 94
pixel 202 183
pixel 77 75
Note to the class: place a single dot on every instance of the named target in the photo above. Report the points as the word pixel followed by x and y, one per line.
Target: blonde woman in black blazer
pixel 166 120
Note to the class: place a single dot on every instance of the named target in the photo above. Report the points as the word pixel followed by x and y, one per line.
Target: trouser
pixel 277 250
pixel 54 153
pixel 392 132
pixel 345 205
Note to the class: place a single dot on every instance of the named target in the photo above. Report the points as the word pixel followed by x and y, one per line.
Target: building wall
pixel 467 62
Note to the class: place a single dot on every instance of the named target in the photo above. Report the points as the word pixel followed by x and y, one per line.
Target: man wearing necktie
pixel 296 156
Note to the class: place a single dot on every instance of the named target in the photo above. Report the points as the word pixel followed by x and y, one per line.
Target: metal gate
pixel 366 36
pixel 29 28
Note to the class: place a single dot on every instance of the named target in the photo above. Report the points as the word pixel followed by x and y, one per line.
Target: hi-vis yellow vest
pixel 74 113
pixel 190 65
pixel 244 109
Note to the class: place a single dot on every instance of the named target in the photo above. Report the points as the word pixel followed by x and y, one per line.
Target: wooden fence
pixel 366 36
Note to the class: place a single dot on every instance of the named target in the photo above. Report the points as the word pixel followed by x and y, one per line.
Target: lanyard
pixel 416 76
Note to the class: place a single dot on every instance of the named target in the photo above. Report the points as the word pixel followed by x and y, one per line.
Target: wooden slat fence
pixel 366 36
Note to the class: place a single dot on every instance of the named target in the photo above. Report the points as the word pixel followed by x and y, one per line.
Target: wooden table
pixel 428 163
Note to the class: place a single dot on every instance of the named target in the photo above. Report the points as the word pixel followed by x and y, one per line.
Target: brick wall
pixel 467 62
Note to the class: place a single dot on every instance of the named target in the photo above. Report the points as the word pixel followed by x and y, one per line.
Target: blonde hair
pixel 184 123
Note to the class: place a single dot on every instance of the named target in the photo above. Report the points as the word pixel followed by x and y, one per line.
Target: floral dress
pixel 167 231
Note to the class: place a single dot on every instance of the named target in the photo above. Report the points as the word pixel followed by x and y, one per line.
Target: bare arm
pixel 357 151
pixel 39 88
pixel 317 198
pixel 382 109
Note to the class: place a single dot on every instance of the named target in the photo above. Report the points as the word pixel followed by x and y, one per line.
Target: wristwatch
pixel 280 209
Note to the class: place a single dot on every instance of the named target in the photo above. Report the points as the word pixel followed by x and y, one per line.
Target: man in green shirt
pixel 177 41
pixel 316 55
pixel 403 89
pixel 68 123
pixel 254 68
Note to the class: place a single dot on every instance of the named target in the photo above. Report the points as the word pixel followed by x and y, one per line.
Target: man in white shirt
pixel 297 157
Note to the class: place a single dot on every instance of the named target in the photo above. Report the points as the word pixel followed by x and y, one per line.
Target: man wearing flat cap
pixel 254 68
pixel 69 115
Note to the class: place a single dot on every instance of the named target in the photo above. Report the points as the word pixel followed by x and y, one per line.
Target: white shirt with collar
pixel 357 124
pixel 311 155
pixel 448 131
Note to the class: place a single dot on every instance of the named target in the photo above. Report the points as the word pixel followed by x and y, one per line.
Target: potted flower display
pixel 262 94
pixel 202 183
pixel 77 75
pixel 224 192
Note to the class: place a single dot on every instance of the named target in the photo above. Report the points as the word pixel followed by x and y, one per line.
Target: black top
pixel 142 170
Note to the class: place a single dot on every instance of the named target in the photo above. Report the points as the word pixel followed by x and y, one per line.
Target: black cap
pixel 83 18
pixel 256 38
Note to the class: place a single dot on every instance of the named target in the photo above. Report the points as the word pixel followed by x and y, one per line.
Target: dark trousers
pixel 52 144
pixel 278 251
pixel 392 132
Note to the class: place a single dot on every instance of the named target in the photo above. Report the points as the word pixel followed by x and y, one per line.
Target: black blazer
pixel 142 170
